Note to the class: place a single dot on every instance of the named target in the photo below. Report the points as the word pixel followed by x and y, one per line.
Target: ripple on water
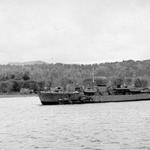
pixel 110 126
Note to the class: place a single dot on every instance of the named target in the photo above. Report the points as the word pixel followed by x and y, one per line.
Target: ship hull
pixel 48 98
pixel 122 98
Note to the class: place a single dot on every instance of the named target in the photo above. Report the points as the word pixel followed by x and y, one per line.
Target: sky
pixel 74 31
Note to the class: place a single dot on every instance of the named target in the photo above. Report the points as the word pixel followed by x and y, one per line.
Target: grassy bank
pixel 16 95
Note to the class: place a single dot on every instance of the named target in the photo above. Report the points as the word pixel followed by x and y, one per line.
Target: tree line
pixel 36 77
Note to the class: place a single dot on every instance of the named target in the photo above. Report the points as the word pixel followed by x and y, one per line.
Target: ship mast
pixel 93 77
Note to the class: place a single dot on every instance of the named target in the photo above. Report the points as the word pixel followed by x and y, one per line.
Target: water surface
pixel 27 125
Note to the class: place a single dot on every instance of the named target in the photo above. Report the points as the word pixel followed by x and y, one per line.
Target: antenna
pixel 93 78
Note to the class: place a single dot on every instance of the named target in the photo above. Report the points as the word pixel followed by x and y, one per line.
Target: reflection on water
pixel 26 124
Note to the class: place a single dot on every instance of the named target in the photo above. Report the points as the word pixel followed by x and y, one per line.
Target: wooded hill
pixel 37 76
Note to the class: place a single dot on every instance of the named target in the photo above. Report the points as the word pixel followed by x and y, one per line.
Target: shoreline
pixel 17 95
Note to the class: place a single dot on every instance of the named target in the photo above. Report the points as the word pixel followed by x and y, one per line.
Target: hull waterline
pixel 48 98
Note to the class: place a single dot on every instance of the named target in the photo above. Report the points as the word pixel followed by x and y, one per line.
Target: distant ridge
pixel 39 62
pixel 27 63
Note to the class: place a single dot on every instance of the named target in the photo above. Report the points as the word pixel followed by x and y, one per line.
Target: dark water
pixel 26 125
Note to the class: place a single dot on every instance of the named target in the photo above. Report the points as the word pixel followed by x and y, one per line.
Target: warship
pixel 100 94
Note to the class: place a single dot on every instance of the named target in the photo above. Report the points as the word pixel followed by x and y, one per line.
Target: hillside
pixel 39 70
pixel 37 75
pixel 27 63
